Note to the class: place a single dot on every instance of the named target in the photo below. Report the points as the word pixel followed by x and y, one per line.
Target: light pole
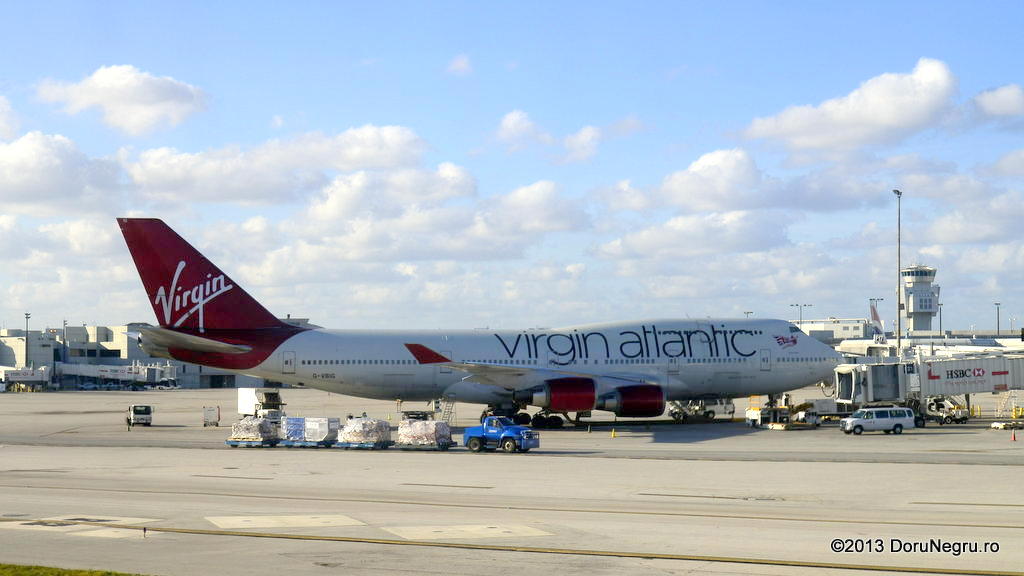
pixel 998 304
pixel 27 316
pixel 747 314
pixel 940 320
pixel 801 313
pixel 899 272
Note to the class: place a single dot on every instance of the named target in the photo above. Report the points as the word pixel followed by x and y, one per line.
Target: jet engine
pixel 643 400
pixel 561 395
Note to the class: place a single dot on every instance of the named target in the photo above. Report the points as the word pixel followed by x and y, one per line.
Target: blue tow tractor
pixel 500 432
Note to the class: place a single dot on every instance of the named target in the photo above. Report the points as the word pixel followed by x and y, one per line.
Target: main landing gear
pixel 542 419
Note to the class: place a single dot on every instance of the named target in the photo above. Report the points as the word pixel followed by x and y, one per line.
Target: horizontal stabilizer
pixel 165 338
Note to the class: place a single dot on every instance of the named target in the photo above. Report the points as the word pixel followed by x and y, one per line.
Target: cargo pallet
pixel 251 443
pixel 440 446
pixel 307 443
pixel 381 445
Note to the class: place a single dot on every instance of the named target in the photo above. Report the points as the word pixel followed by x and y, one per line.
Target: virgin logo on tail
pixel 188 301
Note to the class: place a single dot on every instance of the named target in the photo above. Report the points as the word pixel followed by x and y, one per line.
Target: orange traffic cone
pixel 1013 436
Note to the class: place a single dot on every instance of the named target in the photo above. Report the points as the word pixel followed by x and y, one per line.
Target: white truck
pixel 139 415
pixel 945 411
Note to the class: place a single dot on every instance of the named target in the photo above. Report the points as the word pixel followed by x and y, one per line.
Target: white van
pixel 889 419
pixel 712 408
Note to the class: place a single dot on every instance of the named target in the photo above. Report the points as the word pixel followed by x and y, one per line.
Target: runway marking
pixel 323 520
pixel 746 498
pixel 464 531
pixel 42 525
pixel 997 505
pixel 231 477
pixel 566 551
pixel 115 533
pixel 112 520
pixel 447 486
pixel 535 508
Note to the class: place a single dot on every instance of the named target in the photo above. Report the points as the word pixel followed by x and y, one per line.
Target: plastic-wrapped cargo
pixel 293 428
pixel 423 432
pixel 321 429
pixel 253 428
pixel 365 431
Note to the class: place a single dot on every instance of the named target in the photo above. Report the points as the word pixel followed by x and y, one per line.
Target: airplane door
pixel 673 366
pixel 445 369
pixel 766 360
pixel 288 362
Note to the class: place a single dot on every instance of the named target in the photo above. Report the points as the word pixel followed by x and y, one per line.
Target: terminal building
pixel 64 351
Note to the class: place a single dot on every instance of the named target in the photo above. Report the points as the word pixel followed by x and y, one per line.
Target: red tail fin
pixel 187 290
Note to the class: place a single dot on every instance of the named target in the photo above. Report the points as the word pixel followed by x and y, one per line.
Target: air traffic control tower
pixel 919 297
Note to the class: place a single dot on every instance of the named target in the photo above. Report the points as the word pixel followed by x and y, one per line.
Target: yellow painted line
pixel 558 551
pixel 547 509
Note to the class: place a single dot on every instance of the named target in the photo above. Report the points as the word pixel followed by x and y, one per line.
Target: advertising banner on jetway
pixel 967 376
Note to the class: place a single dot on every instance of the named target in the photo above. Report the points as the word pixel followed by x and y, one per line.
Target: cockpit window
pixel 793 329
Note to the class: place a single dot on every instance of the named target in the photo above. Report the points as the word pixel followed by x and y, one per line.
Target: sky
pixel 515 164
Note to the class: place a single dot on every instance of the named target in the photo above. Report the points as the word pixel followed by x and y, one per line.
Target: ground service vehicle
pixel 889 419
pixel 945 411
pixel 139 414
pixel 500 432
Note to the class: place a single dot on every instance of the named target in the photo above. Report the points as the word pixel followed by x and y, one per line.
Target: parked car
pixel 892 419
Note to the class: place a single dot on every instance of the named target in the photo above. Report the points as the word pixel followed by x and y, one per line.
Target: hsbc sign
pixel 967 373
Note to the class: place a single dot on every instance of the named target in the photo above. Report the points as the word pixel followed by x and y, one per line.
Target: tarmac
pixel 79 490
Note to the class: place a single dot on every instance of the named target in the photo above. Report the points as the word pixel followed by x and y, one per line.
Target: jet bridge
pixel 927 376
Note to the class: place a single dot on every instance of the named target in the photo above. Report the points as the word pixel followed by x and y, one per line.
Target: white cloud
pixel 460 66
pixel 1011 164
pixel 883 109
pixel 276 121
pixel 582 145
pixel 517 131
pixel 537 208
pixel 45 175
pixel 717 233
pixel 719 180
pixel 8 121
pixel 1003 101
pixel 132 101
pixel 276 171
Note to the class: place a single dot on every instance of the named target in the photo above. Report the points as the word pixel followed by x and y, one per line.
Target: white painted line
pixel 102 519
pixel 323 520
pixel 45 525
pixel 114 533
pixel 468 531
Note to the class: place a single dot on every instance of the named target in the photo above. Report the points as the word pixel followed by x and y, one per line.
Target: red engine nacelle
pixel 562 395
pixel 643 400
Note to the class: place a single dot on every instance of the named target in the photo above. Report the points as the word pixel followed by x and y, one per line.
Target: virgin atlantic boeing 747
pixel 628 368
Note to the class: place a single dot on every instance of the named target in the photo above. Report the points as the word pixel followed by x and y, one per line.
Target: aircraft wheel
pixel 539 421
pixel 522 418
pixel 555 422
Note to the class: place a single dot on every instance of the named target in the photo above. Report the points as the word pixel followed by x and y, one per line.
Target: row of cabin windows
pixel 534 362
pixel 352 362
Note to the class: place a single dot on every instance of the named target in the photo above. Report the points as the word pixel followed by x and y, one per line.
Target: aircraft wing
pixel 164 338
pixel 512 376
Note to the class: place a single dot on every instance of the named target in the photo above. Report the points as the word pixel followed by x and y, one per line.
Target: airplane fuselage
pixel 687 358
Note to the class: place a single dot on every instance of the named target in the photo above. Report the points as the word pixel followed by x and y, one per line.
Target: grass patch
pixel 15 570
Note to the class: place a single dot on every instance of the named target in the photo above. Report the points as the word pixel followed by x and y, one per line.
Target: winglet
pixel 425 355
